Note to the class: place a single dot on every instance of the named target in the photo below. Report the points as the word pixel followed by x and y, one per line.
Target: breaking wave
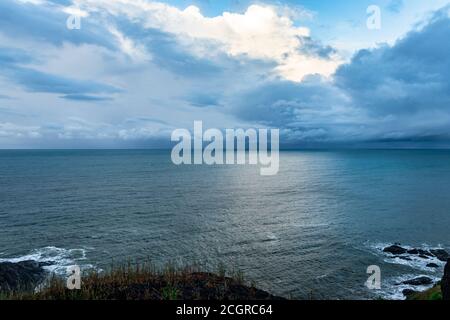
pixel 57 259
pixel 393 287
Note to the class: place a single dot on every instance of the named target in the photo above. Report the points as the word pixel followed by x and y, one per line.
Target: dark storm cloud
pixel 312 110
pixel 392 93
pixel 410 77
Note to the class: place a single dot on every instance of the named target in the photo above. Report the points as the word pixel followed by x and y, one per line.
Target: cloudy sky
pixel 137 69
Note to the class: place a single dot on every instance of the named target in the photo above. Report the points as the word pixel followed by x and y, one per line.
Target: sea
pixel 309 232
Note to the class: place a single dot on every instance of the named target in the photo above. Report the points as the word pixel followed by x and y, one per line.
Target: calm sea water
pixel 309 232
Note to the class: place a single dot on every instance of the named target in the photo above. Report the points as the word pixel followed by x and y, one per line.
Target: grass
pixel 434 293
pixel 146 282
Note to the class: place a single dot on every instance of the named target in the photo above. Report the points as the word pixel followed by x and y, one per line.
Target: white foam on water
pixel 393 287
pixel 410 260
pixel 271 237
pixel 58 258
pixel 311 225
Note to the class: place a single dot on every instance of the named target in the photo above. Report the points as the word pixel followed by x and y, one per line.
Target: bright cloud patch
pixel 261 32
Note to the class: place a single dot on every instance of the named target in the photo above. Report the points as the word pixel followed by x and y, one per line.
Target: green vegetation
pixel 430 294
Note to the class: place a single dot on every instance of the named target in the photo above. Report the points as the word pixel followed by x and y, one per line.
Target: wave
pixel 393 287
pixel 57 259
pixel 411 260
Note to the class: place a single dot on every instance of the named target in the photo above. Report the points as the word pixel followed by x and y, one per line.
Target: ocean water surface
pixel 309 232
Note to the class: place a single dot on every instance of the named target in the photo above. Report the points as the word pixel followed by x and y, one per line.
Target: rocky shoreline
pixel 25 276
pixel 445 283
pixel 397 251
pixel 22 275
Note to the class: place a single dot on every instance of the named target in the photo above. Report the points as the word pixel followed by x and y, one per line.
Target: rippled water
pixel 310 231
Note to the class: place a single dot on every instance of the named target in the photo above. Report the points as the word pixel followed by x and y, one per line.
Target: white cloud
pixel 261 32
pixel 35 2
pixel 75 11
pixel 11 130
pixel 134 51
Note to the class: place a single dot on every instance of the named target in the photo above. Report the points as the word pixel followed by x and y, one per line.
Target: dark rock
pixel 419 281
pixel 441 254
pixel 432 265
pixel 22 275
pixel 405 258
pixel 420 252
pixel 408 292
pixel 445 283
pixel 424 253
pixel 424 256
pixel 395 249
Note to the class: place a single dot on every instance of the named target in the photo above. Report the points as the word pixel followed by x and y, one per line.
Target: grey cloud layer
pixel 47 24
pixel 392 93
pixel 387 94
pixel 11 61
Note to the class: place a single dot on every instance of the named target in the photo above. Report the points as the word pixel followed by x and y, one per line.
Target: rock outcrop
pixel 408 292
pixel 399 251
pixel 441 254
pixel 419 281
pixel 395 249
pixel 23 275
pixel 445 283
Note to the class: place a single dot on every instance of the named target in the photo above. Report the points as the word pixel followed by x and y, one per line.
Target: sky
pixel 132 71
